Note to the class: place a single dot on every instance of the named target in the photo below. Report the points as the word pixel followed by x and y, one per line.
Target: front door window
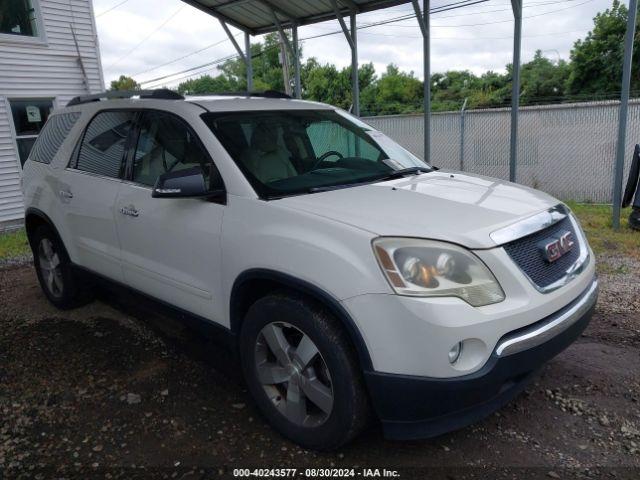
pixel 29 116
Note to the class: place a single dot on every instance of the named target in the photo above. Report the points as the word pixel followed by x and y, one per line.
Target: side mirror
pixel 187 183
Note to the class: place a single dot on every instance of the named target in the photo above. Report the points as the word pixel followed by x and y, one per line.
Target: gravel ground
pixel 112 390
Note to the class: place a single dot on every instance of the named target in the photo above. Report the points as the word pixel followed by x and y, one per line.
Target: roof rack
pixel 160 94
pixel 265 94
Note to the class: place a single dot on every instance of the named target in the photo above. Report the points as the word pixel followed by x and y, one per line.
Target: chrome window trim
pixel 92 174
pixel 558 323
pixel 529 225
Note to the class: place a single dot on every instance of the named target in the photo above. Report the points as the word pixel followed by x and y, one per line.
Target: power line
pixel 214 62
pixel 112 8
pixel 510 20
pixel 146 38
pixel 465 2
pixel 484 12
pixel 184 56
pixel 549 34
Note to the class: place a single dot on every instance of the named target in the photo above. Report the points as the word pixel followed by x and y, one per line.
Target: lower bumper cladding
pixel 419 407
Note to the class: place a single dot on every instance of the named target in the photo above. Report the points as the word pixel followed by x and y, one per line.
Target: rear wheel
pixel 57 279
pixel 302 372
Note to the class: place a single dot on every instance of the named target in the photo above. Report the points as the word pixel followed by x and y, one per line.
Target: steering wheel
pixel 324 156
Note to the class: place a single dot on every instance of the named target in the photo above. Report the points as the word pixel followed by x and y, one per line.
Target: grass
pixel 595 219
pixel 596 222
pixel 13 244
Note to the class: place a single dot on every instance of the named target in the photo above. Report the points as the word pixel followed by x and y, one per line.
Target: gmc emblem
pixel 554 248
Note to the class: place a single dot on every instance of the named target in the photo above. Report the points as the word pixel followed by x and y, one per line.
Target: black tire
pixel 63 287
pixel 634 219
pixel 632 181
pixel 349 412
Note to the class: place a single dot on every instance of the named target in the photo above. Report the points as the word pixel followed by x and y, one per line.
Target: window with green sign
pixel 29 116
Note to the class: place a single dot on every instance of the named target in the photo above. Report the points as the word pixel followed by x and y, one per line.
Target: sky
pixel 149 39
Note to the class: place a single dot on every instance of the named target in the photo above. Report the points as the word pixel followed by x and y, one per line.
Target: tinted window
pixel 167 144
pixel 17 17
pixel 102 149
pixel 52 136
pixel 29 116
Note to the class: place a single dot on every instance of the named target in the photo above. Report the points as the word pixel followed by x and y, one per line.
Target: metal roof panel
pixel 256 17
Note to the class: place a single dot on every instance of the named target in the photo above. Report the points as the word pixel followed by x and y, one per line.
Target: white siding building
pixel 49 53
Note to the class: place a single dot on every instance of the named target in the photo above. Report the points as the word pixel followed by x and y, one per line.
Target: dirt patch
pixel 119 393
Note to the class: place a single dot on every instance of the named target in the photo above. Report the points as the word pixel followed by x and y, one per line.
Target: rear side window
pixel 52 136
pixel 103 145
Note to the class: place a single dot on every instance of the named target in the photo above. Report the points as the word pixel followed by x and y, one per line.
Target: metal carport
pixel 256 17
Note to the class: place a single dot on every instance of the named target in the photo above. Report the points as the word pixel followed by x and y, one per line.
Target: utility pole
pixel 285 67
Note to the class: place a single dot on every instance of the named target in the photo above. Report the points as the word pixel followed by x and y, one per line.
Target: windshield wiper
pixel 389 176
pixel 329 188
pixel 405 172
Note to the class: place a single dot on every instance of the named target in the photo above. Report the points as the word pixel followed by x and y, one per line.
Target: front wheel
pixel 302 372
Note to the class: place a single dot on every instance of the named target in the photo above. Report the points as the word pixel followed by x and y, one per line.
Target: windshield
pixel 289 152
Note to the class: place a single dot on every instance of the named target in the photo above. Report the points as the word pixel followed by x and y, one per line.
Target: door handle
pixel 66 194
pixel 129 211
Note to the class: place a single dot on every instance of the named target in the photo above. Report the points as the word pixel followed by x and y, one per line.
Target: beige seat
pixel 265 158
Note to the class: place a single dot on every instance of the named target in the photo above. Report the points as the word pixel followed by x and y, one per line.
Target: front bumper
pixel 412 407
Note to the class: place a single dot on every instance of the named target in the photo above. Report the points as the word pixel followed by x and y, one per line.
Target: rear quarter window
pixel 103 146
pixel 53 136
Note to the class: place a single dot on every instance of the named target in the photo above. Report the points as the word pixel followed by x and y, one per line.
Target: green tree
pixel 394 92
pixel 265 61
pixel 596 61
pixel 325 83
pixel 208 84
pixel 267 71
pixel 542 81
pixel 124 83
pixel 448 90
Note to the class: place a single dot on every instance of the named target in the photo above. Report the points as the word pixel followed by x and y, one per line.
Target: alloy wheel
pixel 50 267
pixel 293 374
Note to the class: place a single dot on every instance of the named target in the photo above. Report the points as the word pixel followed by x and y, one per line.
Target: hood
pixel 448 206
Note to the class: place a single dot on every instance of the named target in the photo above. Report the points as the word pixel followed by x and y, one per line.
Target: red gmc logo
pixel 553 249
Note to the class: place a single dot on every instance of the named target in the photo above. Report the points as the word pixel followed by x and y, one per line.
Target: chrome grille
pixel 527 253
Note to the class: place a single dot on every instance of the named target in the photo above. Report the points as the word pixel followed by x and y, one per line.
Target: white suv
pixel 349 276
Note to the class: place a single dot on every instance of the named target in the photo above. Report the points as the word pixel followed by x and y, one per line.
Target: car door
pixel 170 246
pixel 88 190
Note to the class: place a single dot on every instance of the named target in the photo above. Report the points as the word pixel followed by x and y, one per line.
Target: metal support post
pixel 424 22
pixel 284 41
pixel 355 81
pixel 352 39
pixel 297 86
pixel 516 6
pixel 618 175
pixel 248 61
pixel 462 112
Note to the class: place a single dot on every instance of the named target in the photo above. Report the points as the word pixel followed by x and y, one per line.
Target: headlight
pixel 427 268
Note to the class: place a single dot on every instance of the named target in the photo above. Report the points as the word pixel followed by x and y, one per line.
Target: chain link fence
pixel 567 151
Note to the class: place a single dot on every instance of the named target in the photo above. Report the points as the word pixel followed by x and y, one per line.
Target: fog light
pixel 455 352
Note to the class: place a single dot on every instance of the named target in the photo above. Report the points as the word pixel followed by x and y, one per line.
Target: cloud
pixel 476 38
